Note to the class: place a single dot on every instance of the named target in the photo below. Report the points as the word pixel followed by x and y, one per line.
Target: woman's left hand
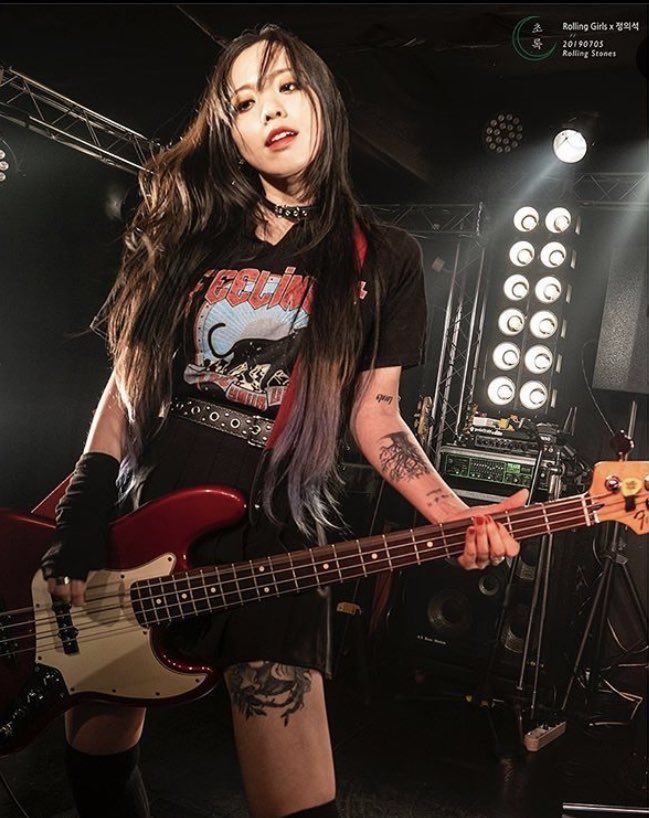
pixel 486 540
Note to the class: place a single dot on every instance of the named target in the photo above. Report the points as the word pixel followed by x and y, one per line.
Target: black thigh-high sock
pixel 106 786
pixel 328 810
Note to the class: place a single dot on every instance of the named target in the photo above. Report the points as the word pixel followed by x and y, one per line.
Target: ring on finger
pixel 61 580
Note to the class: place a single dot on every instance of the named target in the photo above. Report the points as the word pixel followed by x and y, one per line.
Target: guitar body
pixel 109 655
pixel 113 648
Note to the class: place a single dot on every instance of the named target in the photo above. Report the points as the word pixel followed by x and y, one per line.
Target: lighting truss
pixel 32 105
pixel 593 190
pixel 428 220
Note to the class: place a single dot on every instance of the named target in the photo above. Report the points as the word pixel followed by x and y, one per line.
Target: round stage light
pixel 558 220
pixel 516 287
pixel 521 253
pixel 553 254
pixel 501 390
pixel 511 321
pixel 569 146
pixel 533 395
pixel 538 359
pixel 548 289
pixel 503 133
pixel 543 324
pixel 506 355
pixel 526 219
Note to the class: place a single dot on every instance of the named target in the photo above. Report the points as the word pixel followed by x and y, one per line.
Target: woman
pixel 249 261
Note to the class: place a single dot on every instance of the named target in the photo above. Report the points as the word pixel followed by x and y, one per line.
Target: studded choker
pixel 292 212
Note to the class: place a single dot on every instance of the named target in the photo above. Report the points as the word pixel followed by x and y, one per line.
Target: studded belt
pixel 252 428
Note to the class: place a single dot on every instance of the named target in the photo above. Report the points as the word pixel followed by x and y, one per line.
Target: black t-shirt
pixel 243 321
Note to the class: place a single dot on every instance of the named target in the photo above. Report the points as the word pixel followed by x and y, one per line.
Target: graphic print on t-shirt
pixel 245 331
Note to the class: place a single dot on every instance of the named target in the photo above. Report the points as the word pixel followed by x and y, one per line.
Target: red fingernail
pixel 479 520
pixel 470 530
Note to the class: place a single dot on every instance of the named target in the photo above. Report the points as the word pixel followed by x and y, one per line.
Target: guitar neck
pixel 218 588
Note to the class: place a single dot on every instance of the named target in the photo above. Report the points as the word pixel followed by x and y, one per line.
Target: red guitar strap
pixel 287 401
pixel 47 506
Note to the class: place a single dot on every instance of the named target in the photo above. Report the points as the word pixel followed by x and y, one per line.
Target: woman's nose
pixel 268 115
pixel 272 110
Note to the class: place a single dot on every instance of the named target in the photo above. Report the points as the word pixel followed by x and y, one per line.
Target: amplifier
pixel 479 474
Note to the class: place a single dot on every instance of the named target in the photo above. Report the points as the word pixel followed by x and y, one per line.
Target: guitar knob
pixel 613 483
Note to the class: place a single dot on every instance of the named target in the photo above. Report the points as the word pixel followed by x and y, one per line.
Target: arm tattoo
pixel 256 687
pixel 400 457
pixel 438 497
pixel 384 398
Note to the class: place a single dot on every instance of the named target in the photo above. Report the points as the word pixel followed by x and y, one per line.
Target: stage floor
pixel 395 758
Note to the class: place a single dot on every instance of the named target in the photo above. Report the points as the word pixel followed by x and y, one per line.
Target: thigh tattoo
pixel 258 687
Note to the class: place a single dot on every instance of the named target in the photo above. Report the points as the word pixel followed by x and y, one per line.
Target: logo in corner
pixel 529 28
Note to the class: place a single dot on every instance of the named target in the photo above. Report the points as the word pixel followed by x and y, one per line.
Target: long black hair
pixel 195 196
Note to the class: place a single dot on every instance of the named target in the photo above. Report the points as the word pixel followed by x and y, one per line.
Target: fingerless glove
pixel 83 516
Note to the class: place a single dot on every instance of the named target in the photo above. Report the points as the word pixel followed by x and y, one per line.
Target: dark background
pixel 420 81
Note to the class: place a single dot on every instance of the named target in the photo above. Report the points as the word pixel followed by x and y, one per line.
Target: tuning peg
pixel 613 483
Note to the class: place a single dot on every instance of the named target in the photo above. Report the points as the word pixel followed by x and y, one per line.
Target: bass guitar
pixel 54 655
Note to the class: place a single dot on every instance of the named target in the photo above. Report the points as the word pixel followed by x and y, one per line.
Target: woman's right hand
pixel 83 518
pixel 53 565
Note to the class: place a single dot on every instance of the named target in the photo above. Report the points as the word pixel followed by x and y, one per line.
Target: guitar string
pixel 439 552
pixel 556 507
pixel 351 556
pixel 56 642
pixel 283 561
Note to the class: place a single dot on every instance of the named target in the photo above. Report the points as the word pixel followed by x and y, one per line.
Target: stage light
pixel 538 359
pixel 558 220
pixel 526 219
pixel 548 289
pixel 533 395
pixel 553 254
pixel 575 136
pixel 503 133
pixel 543 324
pixel 516 287
pixel 506 355
pixel 511 321
pixel 521 253
pixel 569 146
pixel 501 390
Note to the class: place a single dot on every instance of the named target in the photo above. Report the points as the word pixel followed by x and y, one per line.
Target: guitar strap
pixel 47 506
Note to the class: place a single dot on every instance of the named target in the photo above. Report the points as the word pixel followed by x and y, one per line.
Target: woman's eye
pixel 239 107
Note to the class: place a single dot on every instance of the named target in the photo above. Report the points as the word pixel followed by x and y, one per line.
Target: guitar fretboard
pixel 217 588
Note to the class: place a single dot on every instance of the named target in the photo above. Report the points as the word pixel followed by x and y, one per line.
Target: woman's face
pixel 261 115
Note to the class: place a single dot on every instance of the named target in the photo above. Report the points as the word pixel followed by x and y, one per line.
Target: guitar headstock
pixel 620 492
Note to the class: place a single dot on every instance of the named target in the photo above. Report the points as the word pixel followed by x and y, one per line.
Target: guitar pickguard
pixel 104 650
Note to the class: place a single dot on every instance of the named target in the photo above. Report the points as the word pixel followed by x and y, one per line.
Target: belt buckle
pixel 256 430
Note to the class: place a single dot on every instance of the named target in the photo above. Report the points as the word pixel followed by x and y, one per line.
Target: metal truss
pixel 428 220
pixel 26 102
pixel 458 363
pixel 449 404
pixel 593 190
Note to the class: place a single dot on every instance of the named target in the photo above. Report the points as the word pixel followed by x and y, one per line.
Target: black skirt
pixel 294 629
